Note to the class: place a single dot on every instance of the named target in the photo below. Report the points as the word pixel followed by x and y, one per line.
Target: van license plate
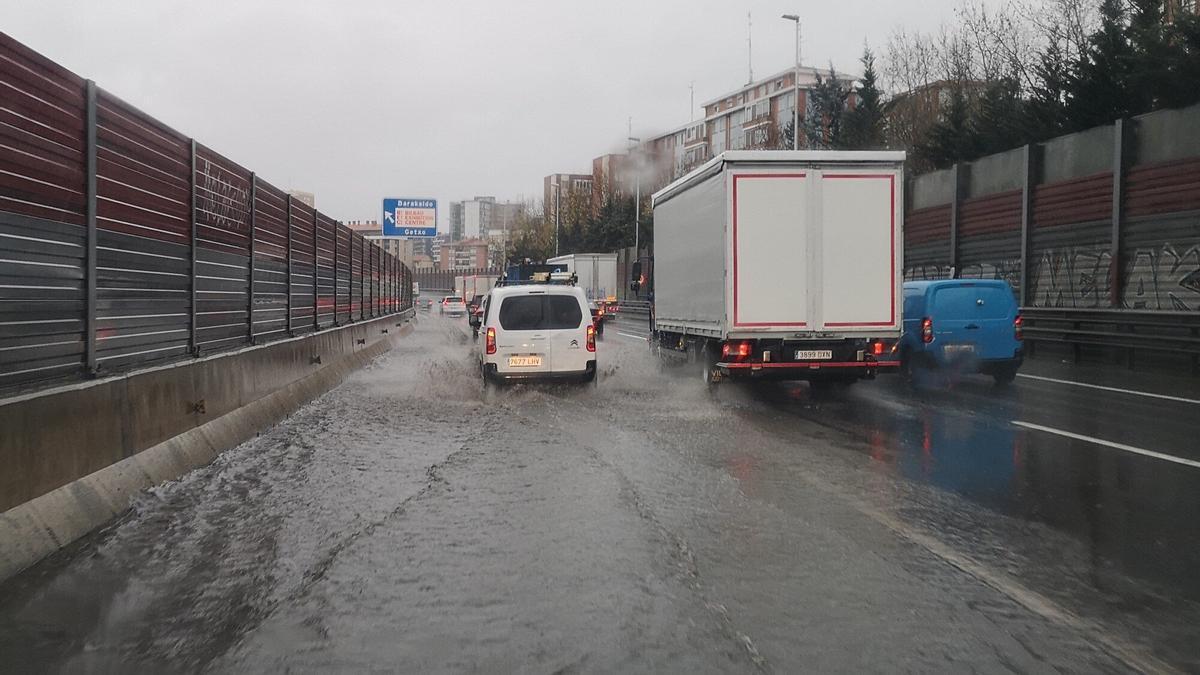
pixel 524 361
pixel 813 354
pixel 952 349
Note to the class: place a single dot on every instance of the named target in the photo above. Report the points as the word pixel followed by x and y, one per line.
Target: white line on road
pixel 632 336
pixel 1116 389
pixel 1110 444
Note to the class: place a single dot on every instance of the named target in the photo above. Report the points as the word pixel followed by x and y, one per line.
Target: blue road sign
pixel 403 217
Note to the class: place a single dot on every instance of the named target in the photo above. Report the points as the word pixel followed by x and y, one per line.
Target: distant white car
pixel 453 305
pixel 537 331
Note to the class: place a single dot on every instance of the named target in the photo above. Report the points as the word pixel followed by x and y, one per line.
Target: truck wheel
pixel 706 360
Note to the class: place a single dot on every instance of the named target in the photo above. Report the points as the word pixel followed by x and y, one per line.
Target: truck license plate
pixel 813 354
pixel 524 361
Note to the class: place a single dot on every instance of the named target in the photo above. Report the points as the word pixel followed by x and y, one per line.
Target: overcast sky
pixel 357 100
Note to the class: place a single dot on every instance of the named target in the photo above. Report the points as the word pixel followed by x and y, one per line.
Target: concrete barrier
pixel 76 456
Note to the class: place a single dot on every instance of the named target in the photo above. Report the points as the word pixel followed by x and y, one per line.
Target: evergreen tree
pixel 1098 91
pixel 1046 109
pixel 864 126
pixel 823 125
pixel 951 139
pixel 999 123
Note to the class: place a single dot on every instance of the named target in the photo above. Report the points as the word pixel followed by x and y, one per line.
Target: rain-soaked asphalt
pixel 409 521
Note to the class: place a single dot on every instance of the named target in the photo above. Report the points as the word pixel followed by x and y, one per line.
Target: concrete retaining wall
pixel 75 456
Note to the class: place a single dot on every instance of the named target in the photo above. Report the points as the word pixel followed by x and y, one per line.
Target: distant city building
pixel 422 263
pixel 307 198
pixel 751 117
pixel 466 254
pixel 562 192
pixel 456 221
pixel 435 248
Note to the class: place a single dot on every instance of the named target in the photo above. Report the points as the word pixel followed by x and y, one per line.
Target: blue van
pixel 967 325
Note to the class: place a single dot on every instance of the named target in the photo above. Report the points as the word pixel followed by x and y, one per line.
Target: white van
pixel 537 331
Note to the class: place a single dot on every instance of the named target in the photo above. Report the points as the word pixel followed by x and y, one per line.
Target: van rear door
pixel 566 321
pixel 974 319
pixel 522 341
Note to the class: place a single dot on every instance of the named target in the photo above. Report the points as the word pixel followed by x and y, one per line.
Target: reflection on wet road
pixel 409 520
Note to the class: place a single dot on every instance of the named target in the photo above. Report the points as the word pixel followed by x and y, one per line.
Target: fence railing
pixel 1130 332
pixel 124 242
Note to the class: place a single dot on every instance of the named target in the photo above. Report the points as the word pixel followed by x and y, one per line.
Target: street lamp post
pixel 557 210
pixel 796 84
pixel 637 200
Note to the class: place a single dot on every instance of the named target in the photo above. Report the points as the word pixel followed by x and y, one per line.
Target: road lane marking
pixel 1110 444
pixel 1116 389
pixel 632 336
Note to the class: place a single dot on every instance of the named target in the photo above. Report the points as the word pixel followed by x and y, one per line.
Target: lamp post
pixel 557 209
pixel 637 200
pixel 796 83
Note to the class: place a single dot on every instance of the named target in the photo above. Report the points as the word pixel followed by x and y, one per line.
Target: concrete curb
pixel 37 528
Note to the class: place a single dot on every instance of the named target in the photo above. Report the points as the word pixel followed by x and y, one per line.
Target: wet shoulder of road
pixel 410 520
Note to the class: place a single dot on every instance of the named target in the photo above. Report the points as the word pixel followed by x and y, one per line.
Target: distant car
pixel 599 318
pixel 968 325
pixel 475 310
pixel 537 331
pixel 429 304
pixel 453 305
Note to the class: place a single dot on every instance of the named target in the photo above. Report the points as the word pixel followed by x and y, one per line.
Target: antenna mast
pixel 749 48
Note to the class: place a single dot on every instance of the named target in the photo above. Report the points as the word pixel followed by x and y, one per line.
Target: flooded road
pixel 410 521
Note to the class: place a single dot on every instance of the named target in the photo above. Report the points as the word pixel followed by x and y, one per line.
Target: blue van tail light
pixel 1019 327
pixel 927 330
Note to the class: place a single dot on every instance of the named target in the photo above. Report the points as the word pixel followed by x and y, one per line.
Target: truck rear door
pixel 858 260
pixel 770 250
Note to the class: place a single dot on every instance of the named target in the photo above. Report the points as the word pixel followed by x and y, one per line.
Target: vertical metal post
pixel 954 206
pixel 91 362
pixel 1120 163
pixel 337 239
pixel 193 343
pixel 316 303
pixel 250 296
pixel 289 265
pixel 362 275
pixel 1029 156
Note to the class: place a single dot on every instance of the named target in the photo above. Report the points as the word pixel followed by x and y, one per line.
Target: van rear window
pixel 983 302
pixel 540 312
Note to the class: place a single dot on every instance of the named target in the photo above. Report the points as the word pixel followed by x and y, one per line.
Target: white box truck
pixel 468 286
pixel 596 272
pixel 781 265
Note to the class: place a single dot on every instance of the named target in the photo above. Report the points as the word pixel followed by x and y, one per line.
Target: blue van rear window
pixel 984 302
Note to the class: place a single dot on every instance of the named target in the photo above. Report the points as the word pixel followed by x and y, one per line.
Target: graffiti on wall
pixel 1008 270
pixel 227 204
pixel 1163 279
pixel 1166 278
pixel 1073 276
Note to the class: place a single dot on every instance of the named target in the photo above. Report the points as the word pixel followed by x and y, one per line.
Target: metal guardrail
pixel 1122 329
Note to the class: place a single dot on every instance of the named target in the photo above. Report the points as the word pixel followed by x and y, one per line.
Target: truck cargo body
pixel 784 265
pixel 596 272
pixel 469 286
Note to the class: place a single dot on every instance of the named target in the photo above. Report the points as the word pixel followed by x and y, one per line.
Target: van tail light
pixel 737 350
pixel 927 330
pixel 1019 327
pixel 591 337
pixel 490 340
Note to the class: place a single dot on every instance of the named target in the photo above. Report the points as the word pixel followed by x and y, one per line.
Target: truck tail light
pixel 927 330
pixel 490 340
pixel 877 348
pixel 1019 327
pixel 591 337
pixel 737 350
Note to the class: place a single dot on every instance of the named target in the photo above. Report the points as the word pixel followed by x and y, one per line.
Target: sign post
pixel 405 217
